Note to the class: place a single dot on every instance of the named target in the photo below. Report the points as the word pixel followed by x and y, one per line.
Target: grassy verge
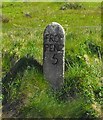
pixel 23 26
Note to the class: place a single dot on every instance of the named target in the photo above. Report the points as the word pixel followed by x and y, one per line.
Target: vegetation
pixel 23 25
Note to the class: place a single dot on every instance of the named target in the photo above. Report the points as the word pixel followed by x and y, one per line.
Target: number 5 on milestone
pixel 53 54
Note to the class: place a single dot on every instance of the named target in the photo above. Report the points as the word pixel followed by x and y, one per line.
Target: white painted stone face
pixel 53 54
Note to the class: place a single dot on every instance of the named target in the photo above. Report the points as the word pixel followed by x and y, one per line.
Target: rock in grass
pixel 74 6
pixel 4 19
pixel 27 14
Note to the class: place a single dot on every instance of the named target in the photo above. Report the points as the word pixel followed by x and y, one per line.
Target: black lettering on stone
pixel 53 47
pixel 56 38
pixel 59 47
pixel 51 38
pixel 47 37
pixel 46 47
pixel 55 59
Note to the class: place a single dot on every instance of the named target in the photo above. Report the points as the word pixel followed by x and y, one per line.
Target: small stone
pixel 27 14
pixel 4 19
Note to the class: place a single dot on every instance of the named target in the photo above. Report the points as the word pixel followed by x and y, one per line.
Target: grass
pixel 22 35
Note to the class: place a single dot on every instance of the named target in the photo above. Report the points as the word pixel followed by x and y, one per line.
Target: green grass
pixel 82 92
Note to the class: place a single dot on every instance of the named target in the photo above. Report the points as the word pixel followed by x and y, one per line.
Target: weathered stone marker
pixel 53 54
